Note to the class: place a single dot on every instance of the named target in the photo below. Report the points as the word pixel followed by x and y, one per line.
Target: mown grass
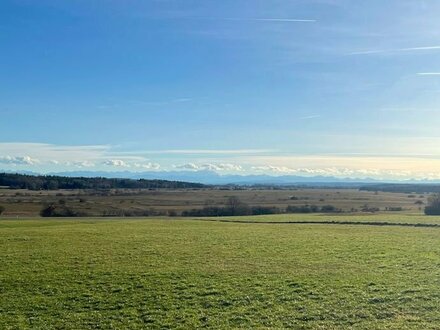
pixel 93 273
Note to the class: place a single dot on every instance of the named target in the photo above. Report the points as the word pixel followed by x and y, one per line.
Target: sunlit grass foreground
pixel 143 273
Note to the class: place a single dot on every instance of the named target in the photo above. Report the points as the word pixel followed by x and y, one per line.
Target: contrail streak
pixel 380 51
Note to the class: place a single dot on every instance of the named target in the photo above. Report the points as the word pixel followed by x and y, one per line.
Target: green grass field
pixel 144 273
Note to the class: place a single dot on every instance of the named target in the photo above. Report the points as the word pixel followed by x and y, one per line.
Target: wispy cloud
pixel 409 110
pixel 269 19
pixel 395 50
pixel 210 151
pixel 162 102
pixel 310 117
pixel 142 103
pixel 428 73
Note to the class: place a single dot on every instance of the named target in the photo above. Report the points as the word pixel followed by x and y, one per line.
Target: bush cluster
pixel 132 213
pixel 234 207
pixel 433 207
pixel 60 210
pixel 215 211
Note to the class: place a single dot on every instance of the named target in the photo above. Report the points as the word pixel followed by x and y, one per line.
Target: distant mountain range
pixel 213 178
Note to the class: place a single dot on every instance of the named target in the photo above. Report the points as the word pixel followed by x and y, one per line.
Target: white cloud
pixel 135 165
pixel 116 163
pixel 402 164
pixel 64 157
pixel 84 163
pixel 225 167
pixel 147 166
pixel 189 166
pixel 344 172
pixel 272 168
pixel 231 167
pixel 18 160
pixel 210 167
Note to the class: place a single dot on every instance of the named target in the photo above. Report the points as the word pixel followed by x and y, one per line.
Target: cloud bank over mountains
pixel 47 158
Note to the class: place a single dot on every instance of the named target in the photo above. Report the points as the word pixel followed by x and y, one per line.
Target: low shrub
pixel 433 207
pixel 53 210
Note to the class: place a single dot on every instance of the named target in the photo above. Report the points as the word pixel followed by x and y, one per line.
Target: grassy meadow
pixel 187 273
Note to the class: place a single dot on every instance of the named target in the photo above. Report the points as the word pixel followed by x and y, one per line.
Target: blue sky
pixel 331 87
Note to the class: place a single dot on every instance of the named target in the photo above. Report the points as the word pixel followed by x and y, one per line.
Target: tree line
pixel 405 188
pixel 51 182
